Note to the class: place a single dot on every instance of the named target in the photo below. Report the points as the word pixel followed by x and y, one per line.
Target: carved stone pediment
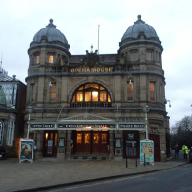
pixel 87 117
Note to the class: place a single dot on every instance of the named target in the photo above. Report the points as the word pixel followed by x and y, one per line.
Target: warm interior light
pixel 94 93
pixel 46 135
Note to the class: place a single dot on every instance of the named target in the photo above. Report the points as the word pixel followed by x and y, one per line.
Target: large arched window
pixel 91 95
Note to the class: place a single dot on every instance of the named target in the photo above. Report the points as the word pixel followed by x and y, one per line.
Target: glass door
pixel 50 143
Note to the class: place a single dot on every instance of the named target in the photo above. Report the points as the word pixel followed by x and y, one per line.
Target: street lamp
pixel 146 110
pixel 29 110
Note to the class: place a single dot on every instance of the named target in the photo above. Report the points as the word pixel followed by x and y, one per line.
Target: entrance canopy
pixel 88 121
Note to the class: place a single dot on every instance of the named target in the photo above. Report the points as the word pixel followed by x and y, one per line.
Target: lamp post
pixel 29 110
pixel 146 110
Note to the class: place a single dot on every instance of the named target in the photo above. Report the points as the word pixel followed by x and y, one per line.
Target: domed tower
pixel 140 53
pixel 48 54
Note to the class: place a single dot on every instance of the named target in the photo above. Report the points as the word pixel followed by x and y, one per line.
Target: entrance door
pixel 82 142
pixel 90 142
pixel 50 144
pixel 156 140
pixel 99 142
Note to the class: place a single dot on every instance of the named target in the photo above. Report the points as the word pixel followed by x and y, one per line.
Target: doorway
pixel 50 144
pixel 90 142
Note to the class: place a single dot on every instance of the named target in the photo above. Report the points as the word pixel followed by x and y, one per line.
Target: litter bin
pixel 2 154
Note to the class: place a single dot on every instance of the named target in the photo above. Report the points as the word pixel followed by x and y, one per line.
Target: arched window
pixel 91 95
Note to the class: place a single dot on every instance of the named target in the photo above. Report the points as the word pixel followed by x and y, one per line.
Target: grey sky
pixel 79 20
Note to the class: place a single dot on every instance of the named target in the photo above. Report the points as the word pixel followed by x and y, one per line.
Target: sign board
pixel 147 151
pixel 136 126
pixel 108 126
pixel 26 150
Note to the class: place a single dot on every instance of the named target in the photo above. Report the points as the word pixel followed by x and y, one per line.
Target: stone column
pixel 61 150
pixel 39 145
pixel 68 153
pixel 111 145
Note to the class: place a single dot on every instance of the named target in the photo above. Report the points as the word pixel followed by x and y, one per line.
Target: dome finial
pixel 139 20
pixel 51 23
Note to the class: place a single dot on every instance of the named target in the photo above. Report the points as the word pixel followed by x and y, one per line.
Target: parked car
pixel 2 154
pixel 190 155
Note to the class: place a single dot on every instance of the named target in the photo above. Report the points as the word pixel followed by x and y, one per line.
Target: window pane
pixel 37 59
pixel 87 96
pixel 103 96
pixel 32 93
pixel 79 138
pixel 152 86
pixel 92 85
pixel 109 98
pixel 130 96
pixel 152 96
pixel 102 88
pixel 81 88
pixel 79 96
pixel 50 58
pixel 87 138
pixel 130 87
pixel 134 56
pixel 96 138
pixel 149 55
pixel 53 92
pixel 152 91
pixel 104 138
pixel 130 91
pixel 73 99
pixel 94 96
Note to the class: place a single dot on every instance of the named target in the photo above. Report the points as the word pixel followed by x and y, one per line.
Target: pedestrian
pixel 185 151
pixel 176 152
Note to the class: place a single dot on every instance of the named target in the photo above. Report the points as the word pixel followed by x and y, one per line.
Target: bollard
pixel 136 162
pixel 126 161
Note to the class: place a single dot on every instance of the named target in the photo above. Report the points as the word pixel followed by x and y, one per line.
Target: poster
pixel 118 143
pixel 61 142
pixel 147 149
pixel 26 149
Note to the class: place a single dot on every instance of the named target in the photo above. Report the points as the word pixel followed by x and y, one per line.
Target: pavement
pixel 48 173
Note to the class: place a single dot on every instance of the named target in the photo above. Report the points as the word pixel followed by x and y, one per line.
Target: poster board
pixel 61 142
pixel 26 150
pixel 147 151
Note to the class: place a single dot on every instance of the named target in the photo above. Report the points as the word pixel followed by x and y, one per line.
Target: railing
pixel 91 104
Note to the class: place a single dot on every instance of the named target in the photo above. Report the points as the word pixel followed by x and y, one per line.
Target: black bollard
pixel 126 162
pixel 136 162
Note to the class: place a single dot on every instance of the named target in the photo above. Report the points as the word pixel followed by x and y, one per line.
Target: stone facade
pixel 61 87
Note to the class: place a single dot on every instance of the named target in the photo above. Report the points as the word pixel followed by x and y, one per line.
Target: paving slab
pixel 15 176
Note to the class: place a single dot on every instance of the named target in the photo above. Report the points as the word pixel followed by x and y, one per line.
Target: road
pixel 174 180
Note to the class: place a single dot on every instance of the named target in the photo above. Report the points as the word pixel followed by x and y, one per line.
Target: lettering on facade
pixel 88 70
pixel 42 126
pixel 86 126
pixel 131 126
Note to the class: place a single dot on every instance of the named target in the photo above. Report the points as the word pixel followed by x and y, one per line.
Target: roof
pixel 138 27
pixel 51 33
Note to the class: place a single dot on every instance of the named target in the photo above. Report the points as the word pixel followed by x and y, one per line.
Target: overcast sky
pixel 79 20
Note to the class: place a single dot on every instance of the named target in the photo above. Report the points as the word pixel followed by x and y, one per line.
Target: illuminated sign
pixel 42 126
pixel 86 126
pixel 88 70
pixel 132 126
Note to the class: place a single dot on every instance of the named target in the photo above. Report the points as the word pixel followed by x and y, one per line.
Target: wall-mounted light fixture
pixel 130 78
pixel 165 101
